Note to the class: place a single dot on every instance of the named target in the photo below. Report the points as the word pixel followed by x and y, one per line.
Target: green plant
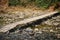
pixel 38 3
pixel 13 2
pixel 43 3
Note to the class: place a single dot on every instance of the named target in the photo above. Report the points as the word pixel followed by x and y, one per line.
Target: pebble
pixel 29 29
pixel 55 23
pixel 58 35
pixel 51 30
pixel 36 29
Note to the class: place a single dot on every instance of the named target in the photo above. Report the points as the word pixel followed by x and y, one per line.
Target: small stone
pixel 36 29
pixel 58 35
pixel 56 24
pixel 9 19
pixel 51 30
pixel 36 25
pixel 40 32
pixel 29 29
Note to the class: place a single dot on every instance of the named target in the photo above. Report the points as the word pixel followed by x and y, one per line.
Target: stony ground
pixel 14 16
pixel 47 30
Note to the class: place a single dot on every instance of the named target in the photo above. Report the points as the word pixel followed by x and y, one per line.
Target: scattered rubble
pixel 48 30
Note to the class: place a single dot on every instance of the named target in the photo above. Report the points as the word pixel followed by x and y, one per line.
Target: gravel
pixel 11 17
pixel 54 21
pixel 31 35
pixel 48 30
